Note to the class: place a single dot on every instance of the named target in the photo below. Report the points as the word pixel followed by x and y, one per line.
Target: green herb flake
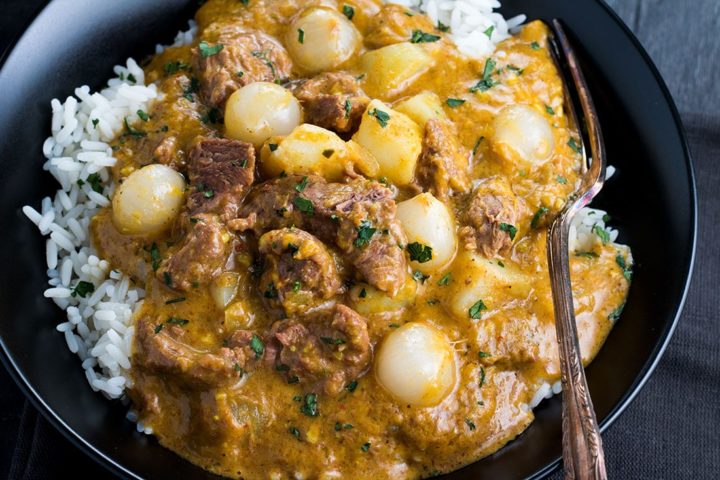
pixel 442 27
pixel 303 183
pixel 364 233
pixel 175 300
pixel 143 116
pixel 549 109
pixel 333 341
pixel 348 11
pixel 445 280
pixel 419 253
pixel 177 321
pixel 501 264
pixel 133 132
pixel 365 447
pixel 535 46
pixel 95 122
pixel 477 145
pixel 310 406
pixel 352 386
pixel 362 293
pixel 245 2
pixel 238 369
pixel 272 146
pixel 167 278
pixel 295 433
pixel 587 254
pixel 394 325
pixel 304 205
pixel 158 328
pixel 82 289
pixel 95 182
pixel 575 147
pixel 561 180
pixel 475 311
pixel 601 233
pixel 538 215
pixel 328 153
pixel 191 89
pixel 482 377
pixel 418 36
pixel 174 67
pixel 348 108
pixel 489 31
pixel 207 51
pixel 470 424
pixel 293 379
pixel 257 346
pixel 419 276
pixel 482 354
pixel 486 83
pixel 382 117
pixel 615 314
pixel 297 285
pixel 510 229
pixel 454 102
pixel 626 269
pixel 131 78
pixel 301 35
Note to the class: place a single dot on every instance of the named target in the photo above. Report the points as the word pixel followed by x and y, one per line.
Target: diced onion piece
pixel 148 201
pixel 522 133
pixel 321 39
pixel 260 110
pixel 416 364
pixel 224 288
pixel 393 139
pixel 368 300
pixel 427 221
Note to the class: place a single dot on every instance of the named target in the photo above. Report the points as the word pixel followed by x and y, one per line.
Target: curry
pixel 344 250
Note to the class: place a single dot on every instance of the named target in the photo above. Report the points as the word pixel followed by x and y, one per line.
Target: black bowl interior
pixel 651 199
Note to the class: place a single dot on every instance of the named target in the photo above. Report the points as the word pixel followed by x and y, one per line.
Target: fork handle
pixel 583 455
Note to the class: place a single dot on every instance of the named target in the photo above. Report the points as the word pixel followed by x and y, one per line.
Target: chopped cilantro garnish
pixel 510 229
pixel 419 276
pixel 486 83
pixel 301 35
pixel 95 122
pixel 535 46
pixel 327 153
pixel 95 182
pixel 82 289
pixel 272 146
pixel 167 278
pixel 587 254
pixel 348 108
pixel 304 205
pixel 271 291
pixel 143 116
pixel 549 109
pixel 257 346
pixel 177 321
pixel 294 432
pixel 626 269
pixel 445 280
pixel 207 51
pixel 419 253
pixel 561 180
pixel 174 67
pixel 615 314
pixel 442 27
pixel 363 293
pixel 477 145
pixel 365 447
pixel 350 387
pixel 475 311
pixel 364 233
pixel 418 36
pixel 572 144
pixel 297 285
pixel 155 256
pixel 470 424
pixel 601 233
pixel 538 215
pixel 303 183
pixel 348 11
pixel 158 328
pixel 133 132
pixel 333 341
pixel 482 354
pixel 489 31
pixel 310 406
pixel 382 117
pixel 454 102
pixel 482 376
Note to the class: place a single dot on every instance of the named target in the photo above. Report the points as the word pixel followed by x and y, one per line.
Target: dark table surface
pixel 672 429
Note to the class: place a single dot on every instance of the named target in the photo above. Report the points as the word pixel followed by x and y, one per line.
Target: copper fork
pixel 583 455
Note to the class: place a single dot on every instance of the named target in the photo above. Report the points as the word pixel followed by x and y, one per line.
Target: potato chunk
pixel 391 68
pixel 421 107
pixel 393 139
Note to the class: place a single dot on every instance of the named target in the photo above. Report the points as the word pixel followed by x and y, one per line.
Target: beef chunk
pixel 443 163
pixel 220 171
pixel 392 25
pixel 358 217
pixel 159 347
pixel 492 210
pixel 245 57
pixel 299 272
pixel 332 100
pixel 200 257
pixel 327 351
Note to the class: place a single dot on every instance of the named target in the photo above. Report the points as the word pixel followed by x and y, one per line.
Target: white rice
pixel 99 325
pixel 474 26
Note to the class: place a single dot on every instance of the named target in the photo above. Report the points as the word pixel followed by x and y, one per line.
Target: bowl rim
pixel 641 379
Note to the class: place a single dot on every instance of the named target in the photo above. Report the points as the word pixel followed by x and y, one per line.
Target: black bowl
pixel 651 199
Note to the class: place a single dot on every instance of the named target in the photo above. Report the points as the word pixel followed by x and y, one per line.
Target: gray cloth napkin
pixel 672 429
